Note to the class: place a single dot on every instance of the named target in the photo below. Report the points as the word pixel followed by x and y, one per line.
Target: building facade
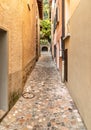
pixel 19 41
pixel 74 30
pixel 56 31
pixel 78 55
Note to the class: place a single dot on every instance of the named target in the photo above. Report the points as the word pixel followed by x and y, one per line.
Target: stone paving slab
pixel 45 103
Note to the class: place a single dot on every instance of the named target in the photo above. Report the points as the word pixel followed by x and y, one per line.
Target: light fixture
pixel 28 6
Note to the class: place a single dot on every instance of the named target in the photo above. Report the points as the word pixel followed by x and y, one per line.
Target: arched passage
pixel 44 48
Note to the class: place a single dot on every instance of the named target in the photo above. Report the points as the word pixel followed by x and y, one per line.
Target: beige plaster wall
pixel 79 60
pixel 70 8
pixel 73 6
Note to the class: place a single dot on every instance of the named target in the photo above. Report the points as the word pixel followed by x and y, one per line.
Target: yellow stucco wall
pixel 79 60
pixel 29 32
pixel 11 20
pixel 20 23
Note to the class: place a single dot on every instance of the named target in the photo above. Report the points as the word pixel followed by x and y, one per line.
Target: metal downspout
pixel 63 44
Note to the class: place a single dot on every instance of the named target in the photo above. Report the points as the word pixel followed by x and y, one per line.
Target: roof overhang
pixel 40 7
pixel 67 36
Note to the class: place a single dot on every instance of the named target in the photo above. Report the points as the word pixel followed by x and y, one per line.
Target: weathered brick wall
pixel 20 23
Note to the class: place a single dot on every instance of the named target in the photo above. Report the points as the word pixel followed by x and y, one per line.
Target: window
pixel 57 15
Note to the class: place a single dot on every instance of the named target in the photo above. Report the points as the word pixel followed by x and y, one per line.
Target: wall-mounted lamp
pixel 28 6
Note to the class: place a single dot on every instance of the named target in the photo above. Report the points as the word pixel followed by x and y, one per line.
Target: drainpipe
pixel 62 41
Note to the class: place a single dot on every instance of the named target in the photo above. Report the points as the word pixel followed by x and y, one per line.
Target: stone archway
pixel 44 48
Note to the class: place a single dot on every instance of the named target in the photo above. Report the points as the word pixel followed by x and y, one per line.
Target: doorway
pixel 66 64
pixel 44 48
pixel 3 70
pixel 58 55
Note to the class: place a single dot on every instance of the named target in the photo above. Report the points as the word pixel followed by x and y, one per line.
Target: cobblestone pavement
pixel 45 103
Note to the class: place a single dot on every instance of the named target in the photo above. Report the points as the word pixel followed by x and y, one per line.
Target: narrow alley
pixel 45 103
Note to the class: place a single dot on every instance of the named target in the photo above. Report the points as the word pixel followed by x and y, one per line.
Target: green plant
pixel 46 29
pixel 43 41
